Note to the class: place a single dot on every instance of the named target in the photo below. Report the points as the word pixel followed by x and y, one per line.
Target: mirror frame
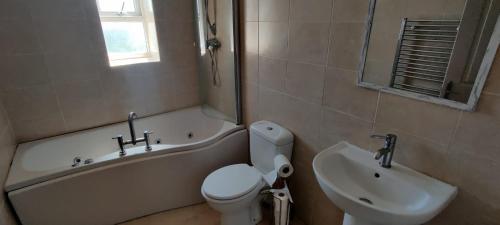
pixel 481 77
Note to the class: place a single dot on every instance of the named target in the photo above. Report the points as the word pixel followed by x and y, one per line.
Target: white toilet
pixel 234 190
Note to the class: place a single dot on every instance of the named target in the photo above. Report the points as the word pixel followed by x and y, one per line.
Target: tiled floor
pixel 200 214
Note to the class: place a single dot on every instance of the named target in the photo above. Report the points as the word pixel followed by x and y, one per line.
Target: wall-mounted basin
pixel 372 195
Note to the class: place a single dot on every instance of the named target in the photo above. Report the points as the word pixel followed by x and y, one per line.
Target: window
pixel 129 31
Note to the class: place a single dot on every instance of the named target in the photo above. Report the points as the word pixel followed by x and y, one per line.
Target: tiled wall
pixel 7 147
pixel 54 70
pixel 300 65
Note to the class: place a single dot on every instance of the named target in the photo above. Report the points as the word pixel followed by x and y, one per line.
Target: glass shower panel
pixel 216 55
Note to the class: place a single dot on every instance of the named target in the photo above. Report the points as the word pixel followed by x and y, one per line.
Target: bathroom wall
pixel 54 70
pixel 7 147
pixel 300 66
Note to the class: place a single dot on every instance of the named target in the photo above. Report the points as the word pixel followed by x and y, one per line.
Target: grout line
pixel 327 58
pixel 287 62
pixel 454 132
pixel 376 111
pixel 491 93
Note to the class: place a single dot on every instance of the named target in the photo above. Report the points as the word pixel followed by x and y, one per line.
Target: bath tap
pixel 385 154
pixel 131 117
pixel 133 140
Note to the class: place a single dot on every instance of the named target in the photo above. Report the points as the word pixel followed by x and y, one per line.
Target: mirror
pixel 435 50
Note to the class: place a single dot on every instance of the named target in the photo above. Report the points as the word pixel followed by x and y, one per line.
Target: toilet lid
pixel 231 182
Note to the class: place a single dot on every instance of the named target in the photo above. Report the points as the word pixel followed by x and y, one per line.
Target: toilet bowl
pixel 234 190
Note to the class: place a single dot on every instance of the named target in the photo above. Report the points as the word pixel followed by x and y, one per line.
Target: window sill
pixel 123 62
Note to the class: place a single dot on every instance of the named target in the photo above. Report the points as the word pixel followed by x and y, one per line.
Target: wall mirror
pixel 438 51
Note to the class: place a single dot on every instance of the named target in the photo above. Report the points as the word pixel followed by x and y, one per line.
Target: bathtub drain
pixel 190 135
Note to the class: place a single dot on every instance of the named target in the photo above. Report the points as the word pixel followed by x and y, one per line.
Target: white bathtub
pixel 44 188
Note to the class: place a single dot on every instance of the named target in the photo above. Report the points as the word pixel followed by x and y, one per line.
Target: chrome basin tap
pixel 385 154
pixel 133 140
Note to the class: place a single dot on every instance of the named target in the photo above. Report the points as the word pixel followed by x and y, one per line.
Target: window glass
pixel 125 38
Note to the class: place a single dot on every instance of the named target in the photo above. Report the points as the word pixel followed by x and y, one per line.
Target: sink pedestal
pixel 350 220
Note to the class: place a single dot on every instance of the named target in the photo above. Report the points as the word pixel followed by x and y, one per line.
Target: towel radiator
pixel 423 55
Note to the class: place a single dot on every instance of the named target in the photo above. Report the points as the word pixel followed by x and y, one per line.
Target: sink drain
pixel 366 200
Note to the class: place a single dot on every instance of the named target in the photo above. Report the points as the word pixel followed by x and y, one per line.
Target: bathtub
pixel 45 187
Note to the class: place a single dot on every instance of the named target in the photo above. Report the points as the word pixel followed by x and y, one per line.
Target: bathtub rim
pixel 244 131
pixel 133 153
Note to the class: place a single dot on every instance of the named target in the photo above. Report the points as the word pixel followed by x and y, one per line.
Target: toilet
pixel 234 190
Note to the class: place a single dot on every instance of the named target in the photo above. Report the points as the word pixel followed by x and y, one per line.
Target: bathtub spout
pixel 131 117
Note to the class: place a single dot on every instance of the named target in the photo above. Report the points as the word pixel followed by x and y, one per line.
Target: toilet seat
pixel 231 182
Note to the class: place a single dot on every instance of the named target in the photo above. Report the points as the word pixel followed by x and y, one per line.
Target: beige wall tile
pixel 430 121
pixel 57 10
pixel 326 213
pixel 251 38
pixel 33 129
pixel 84 83
pixel 301 117
pixel 493 82
pixel 302 183
pixel 427 140
pixel 250 104
pixel 82 104
pixel 64 35
pixel 305 81
pixel 478 178
pixel 174 11
pixel 250 59
pixel 21 71
pixel 76 67
pixel 311 11
pixel 18 37
pixel 478 132
pixel 350 11
pixel 6 215
pixel 390 10
pixel 174 34
pixel 250 68
pixel 274 10
pixel 32 103
pixel 4 120
pixel 250 10
pixel 346 44
pixel 309 42
pixel 272 73
pixel 336 127
pixel 343 94
pixel 13 10
pixel 273 39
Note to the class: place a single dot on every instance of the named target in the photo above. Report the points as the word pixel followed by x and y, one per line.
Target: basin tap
pixel 385 154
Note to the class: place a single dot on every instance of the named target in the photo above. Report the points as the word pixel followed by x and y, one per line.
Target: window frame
pixel 137 16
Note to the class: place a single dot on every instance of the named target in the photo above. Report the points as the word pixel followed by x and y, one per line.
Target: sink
pixel 372 195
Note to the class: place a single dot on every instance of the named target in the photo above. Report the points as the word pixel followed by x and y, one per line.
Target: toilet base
pixel 245 216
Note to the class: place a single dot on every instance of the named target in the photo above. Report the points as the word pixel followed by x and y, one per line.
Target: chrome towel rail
pixel 423 54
